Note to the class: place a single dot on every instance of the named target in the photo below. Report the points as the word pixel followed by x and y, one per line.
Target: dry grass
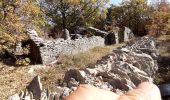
pixel 163 37
pixel 15 79
pixel 12 80
pixel 164 51
pixel 88 57
pixel 164 43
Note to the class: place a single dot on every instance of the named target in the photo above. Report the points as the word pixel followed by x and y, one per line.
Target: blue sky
pixel 115 1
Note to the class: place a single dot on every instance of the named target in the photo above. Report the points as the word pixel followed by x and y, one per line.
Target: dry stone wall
pixel 51 49
pixel 47 51
pixel 119 71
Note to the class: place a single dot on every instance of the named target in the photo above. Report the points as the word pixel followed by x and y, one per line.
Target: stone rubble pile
pixel 119 71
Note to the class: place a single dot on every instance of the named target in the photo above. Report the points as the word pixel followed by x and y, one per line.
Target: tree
pixel 132 14
pixel 71 13
pixel 16 16
pixel 159 21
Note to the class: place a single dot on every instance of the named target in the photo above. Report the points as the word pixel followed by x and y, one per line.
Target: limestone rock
pixel 35 87
pixel 128 34
pixel 110 39
pixel 123 68
pixel 14 97
pixel 66 35
pixel 73 74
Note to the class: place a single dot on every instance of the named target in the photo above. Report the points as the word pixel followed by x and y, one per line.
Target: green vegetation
pixel 72 13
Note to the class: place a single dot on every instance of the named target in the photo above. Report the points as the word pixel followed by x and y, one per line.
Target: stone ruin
pixel 124 35
pixel 119 71
pixel 43 51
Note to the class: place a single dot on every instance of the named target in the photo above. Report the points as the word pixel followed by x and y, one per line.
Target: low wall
pixel 51 49
pixel 47 51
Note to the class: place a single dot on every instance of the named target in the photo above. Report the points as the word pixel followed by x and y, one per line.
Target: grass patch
pixel 13 80
pixel 163 38
pixel 89 57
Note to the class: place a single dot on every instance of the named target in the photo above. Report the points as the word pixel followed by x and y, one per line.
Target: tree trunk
pixel 63 14
pixel 64 22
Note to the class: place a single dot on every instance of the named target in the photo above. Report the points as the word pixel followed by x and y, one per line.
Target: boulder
pixel 128 34
pixel 35 87
pixel 110 39
pixel 125 34
pixel 66 34
pixel 14 97
pixel 74 74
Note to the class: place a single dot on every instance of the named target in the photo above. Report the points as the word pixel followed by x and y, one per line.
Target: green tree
pixel 71 13
pixel 132 14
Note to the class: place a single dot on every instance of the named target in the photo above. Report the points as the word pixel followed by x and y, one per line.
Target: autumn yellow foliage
pixel 16 16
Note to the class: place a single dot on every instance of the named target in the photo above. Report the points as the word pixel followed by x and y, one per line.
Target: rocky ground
pixel 119 71
pixel 15 79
